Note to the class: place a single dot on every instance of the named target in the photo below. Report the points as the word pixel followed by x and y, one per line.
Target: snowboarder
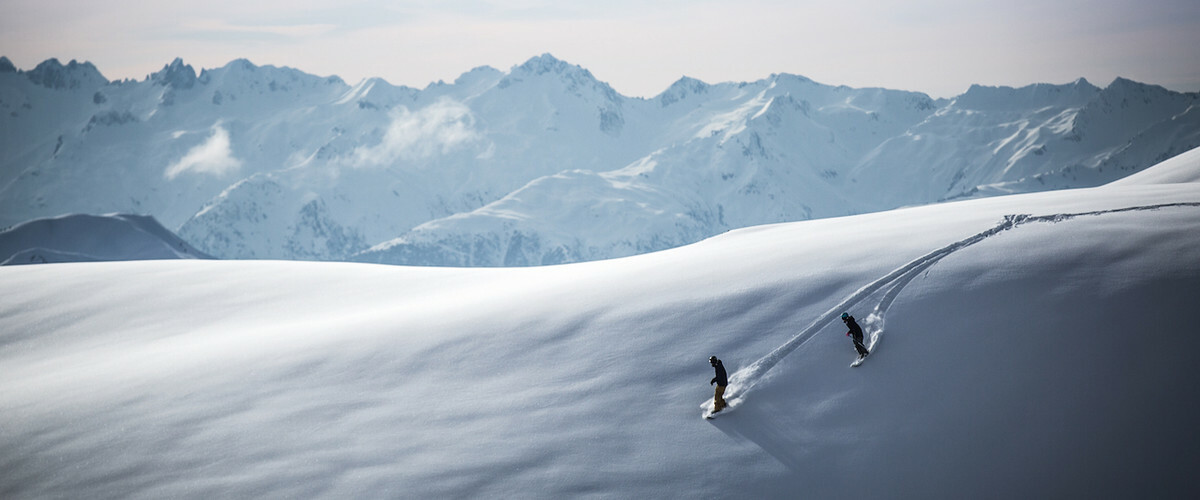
pixel 721 380
pixel 856 334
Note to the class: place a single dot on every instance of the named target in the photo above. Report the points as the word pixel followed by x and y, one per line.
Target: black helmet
pixel 713 359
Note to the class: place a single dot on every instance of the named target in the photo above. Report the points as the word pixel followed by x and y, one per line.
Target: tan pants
pixel 719 398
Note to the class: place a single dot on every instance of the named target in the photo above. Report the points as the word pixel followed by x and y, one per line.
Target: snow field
pixel 1045 360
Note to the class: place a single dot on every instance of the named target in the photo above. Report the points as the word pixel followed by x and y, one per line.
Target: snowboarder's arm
pixel 714 380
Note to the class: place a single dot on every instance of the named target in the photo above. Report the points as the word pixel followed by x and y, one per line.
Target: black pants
pixel 858 345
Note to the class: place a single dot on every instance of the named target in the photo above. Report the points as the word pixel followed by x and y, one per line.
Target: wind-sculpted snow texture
pixel 742 382
pixel 540 164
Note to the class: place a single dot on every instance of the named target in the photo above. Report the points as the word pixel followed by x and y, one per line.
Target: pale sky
pixel 638 47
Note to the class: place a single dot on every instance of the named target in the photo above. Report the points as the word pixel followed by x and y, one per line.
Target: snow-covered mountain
pixel 91 238
pixel 539 164
pixel 1025 346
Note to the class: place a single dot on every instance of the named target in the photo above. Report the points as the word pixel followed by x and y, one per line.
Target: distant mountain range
pixel 541 164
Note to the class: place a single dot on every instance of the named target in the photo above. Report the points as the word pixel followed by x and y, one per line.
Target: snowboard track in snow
pixel 742 382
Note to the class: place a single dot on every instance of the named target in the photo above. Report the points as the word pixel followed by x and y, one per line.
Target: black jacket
pixel 855 330
pixel 721 379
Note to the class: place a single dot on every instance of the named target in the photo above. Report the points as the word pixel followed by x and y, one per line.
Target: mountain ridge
pixel 91 238
pixel 251 161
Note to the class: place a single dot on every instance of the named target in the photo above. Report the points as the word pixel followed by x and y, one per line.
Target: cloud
pixel 435 129
pixel 213 157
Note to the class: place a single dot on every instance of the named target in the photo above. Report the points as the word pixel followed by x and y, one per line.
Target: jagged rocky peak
pixel 377 93
pixel 1125 86
pixel 176 75
pixel 477 74
pixel 53 74
pixel 7 66
pixel 472 81
pixel 546 63
pixel 241 76
pixel 237 68
pixel 800 86
pixel 922 102
pixel 783 105
pixel 574 76
pixel 1139 104
pixel 681 89
pixel 788 78
pixel 782 109
pixel 1037 95
pixel 241 64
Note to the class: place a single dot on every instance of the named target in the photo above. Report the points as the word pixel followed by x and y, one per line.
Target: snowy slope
pixel 1032 356
pixel 88 238
pixel 523 166
pixel 1180 169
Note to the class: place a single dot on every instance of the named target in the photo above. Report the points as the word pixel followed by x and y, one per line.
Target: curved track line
pixel 745 379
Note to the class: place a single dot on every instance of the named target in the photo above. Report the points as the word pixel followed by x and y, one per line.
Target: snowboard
pixel 859 361
pixel 711 415
pixel 875 337
pixel 729 406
